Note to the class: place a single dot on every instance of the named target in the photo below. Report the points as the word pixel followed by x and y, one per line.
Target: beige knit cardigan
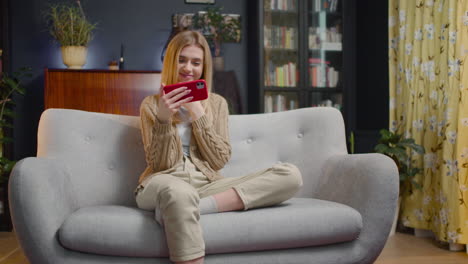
pixel 210 149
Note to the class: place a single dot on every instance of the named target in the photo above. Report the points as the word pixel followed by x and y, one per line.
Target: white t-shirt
pixel 185 130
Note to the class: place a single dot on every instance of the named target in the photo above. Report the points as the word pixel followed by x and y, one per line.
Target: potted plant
pixel 9 85
pixel 217 28
pixel 69 26
pixel 397 147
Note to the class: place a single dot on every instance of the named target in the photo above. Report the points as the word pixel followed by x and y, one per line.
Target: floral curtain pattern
pixel 428 102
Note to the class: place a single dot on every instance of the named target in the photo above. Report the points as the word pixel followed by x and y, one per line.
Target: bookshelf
pixel 301 54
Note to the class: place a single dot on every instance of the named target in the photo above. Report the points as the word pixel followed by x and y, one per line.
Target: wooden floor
pixel 401 248
pixel 407 249
pixel 10 252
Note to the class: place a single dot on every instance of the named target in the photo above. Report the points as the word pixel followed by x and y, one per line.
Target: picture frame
pixel 211 2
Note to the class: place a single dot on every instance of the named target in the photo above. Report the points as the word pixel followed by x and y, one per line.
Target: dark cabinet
pixel 105 91
pixel 302 54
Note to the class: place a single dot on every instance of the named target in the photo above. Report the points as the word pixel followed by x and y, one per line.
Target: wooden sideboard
pixel 105 91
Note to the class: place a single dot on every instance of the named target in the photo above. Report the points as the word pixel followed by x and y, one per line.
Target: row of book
pixel 325 38
pixel 323 76
pixel 285 75
pixel 278 103
pixel 325 5
pixel 280 37
pixel 282 5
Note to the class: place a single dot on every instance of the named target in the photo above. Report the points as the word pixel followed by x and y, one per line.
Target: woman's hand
pixel 168 104
pixel 196 109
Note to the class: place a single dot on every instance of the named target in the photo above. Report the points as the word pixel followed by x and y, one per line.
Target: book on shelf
pixel 321 74
pixel 278 103
pixel 283 5
pixel 279 37
pixel 282 76
pixel 325 5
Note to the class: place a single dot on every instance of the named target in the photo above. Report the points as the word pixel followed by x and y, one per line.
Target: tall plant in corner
pixel 397 147
pixel 9 85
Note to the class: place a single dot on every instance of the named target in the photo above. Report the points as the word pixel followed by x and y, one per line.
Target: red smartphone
pixel 198 88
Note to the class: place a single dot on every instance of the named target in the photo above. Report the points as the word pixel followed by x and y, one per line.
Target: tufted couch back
pixel 104 156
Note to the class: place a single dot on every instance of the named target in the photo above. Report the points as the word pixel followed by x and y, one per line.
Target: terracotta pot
pixel 74 56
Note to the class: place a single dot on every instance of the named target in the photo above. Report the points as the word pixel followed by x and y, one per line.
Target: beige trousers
pixel 176 193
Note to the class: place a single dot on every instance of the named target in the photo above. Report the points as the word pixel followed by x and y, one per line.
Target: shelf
pixel 315 13
pixel 325 89
pixel 327 50
pixel 282 12
pixel 280 50
pixel 329 46
pixel 281 89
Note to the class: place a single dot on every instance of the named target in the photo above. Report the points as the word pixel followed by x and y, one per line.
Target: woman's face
pixel 190 66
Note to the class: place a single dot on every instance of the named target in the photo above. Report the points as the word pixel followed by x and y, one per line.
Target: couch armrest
pixel 370 184
pixel 41 197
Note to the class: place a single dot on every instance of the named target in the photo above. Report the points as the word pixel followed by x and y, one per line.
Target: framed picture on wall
pixel 199 1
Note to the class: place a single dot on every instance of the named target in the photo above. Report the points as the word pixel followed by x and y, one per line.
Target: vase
pixel 218 63
pixel 74 57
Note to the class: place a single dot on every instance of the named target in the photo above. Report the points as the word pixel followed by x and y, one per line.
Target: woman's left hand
pixel 196 109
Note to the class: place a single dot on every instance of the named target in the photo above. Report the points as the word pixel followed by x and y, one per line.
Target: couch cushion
pixel 126 231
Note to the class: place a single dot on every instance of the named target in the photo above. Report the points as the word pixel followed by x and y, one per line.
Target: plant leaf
pixel 381 148
pixel 6 140
pixel 9 166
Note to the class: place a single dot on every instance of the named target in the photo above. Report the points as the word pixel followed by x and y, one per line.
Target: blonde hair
pixel 169 73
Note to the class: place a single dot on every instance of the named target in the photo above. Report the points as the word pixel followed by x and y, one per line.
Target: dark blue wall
pixel 142 26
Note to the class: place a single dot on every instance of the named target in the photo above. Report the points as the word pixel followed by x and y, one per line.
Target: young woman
pixel 186 144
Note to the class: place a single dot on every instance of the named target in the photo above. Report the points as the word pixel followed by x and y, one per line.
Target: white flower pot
pixel 74 57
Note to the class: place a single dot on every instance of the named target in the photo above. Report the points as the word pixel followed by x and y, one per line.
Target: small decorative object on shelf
pixel 121 60
pixel 114 65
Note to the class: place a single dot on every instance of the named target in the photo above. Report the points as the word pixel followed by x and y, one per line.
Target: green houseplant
pixel 69 26
pixel 397 147
pixel 217 28
pixel 9 85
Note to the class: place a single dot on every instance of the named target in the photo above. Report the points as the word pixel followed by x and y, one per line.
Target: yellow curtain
pixel 428 102
pixel 462 144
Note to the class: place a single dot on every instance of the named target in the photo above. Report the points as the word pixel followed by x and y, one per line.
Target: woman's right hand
pixel 168 104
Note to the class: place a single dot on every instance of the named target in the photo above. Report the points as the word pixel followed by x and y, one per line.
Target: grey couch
pixel 74 202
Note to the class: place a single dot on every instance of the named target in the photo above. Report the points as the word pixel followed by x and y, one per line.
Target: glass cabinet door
pixel 280 55
pixel 325 53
